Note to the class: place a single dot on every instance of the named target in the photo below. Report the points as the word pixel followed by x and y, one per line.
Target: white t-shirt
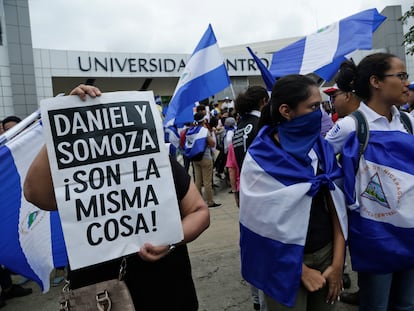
pixel 376 122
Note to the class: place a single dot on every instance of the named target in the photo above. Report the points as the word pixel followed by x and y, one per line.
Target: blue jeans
pixel 382 292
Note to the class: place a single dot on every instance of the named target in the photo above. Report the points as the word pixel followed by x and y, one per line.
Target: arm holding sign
pixel 38 185
pixel 195 219
pixel 38 189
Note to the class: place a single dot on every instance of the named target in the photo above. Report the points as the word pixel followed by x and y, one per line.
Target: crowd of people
pixel 307 186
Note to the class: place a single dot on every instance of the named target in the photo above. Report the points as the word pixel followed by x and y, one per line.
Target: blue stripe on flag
pixel 12 255
pixel 196 141
pixel 32 240
pixel 267 77
pixel 204 75
pixel 275 203
pixel 60 258
pixel 199 88
pixel 315 52
pixel 284 61
pixel 208 39
pixel 279 278
pixel 379 247
pixel 385 147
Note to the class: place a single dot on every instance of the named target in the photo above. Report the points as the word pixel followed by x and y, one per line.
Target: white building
pixel 28 75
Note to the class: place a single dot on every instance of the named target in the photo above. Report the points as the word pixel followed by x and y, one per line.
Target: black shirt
pixel 247 129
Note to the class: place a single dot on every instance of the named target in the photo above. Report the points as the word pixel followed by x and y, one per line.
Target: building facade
pixel 29 75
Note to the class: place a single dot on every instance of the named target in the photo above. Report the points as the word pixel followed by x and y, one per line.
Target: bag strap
pixel 362 132
pixel 405 120
pixel 122 269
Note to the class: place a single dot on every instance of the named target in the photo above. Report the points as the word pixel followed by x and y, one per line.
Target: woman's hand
pixel 82 90
pixel 333 276
pixel 312 279
pixel 149 252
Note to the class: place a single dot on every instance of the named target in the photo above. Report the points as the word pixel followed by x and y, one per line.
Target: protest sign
pixel 112 175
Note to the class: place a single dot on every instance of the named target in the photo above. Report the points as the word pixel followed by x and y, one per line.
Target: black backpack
pixel 362 130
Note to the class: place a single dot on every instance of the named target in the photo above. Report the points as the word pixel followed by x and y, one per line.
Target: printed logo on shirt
pixel 335 129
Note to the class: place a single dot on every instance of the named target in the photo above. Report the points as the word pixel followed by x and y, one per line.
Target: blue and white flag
pixel 323 51
pixel 195 141
pixel 267 77
pixel 380 196
pixel 275 200
pixel 204 75
pixel 31 240
pixel 172 136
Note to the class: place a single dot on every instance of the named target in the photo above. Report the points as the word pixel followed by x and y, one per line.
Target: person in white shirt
pixel 380 219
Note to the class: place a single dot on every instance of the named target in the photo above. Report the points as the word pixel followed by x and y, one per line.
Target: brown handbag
pixel 112 295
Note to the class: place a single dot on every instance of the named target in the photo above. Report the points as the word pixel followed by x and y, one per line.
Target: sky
pixel 176 26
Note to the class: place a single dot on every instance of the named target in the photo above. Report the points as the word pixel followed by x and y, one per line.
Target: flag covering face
pixel 324 51
pixel 31 241
pixel 204 76
pixel 196 141
pixel 275 199
pixel 381 235
pixel 268 79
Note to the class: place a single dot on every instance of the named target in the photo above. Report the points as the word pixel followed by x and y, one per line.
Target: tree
pixel 409 36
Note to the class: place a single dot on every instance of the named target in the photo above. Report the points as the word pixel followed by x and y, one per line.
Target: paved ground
pixel 215 262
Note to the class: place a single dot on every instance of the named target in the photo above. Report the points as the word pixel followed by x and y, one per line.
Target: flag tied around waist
pixel 204 75
pixel 275 199
pixel 196 141
pixel 380 196
pixel 324 51
pixel 31 241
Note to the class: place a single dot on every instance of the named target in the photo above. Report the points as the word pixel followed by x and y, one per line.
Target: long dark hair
pixel 250 100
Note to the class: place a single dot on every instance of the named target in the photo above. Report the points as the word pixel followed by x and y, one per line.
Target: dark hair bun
pixel 346 76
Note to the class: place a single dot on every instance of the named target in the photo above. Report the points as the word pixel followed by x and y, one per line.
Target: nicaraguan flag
pixel 267 77
pixel 172 136
pixel 204 75
pixel 275 203
pixel 323 51
pixel 380 196
pixel 195 141
pixel 31 240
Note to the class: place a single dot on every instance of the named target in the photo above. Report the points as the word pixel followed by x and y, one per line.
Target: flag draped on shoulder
pixel 275 200
pixel 267 77
pixel 204 75
pixel 31 241
pixel 380 195
pixel 195 142
pixel 324 51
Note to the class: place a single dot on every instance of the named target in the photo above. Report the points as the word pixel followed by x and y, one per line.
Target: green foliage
pixel 409 36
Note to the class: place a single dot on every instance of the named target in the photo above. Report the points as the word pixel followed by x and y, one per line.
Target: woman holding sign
pixel 158 276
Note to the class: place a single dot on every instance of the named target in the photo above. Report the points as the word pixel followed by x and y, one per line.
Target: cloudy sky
pixel 176 26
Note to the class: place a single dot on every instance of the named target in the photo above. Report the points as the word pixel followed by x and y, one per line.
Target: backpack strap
pixel 405 120
pixel 362 131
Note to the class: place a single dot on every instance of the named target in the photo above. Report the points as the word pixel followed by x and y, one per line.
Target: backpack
pixel 362 130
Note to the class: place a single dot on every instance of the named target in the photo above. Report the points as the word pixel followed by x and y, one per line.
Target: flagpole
pixel 19 127
pixel 232 91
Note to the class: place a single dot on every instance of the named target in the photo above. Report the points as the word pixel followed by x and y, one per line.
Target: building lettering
pixel 149 65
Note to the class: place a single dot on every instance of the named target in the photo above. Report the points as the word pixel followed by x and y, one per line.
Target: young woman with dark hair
pixel 379 184
pixel 292 214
